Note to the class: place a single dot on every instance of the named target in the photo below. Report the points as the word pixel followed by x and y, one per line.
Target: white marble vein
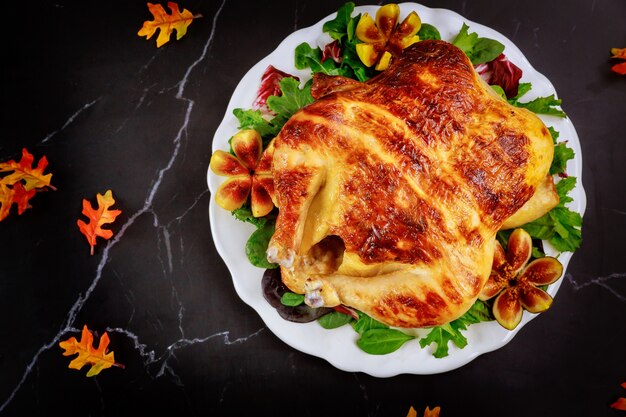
pixel 68 324
pixel 603 282
pixel 70 120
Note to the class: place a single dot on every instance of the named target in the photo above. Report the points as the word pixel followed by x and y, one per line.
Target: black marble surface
pixel 111 111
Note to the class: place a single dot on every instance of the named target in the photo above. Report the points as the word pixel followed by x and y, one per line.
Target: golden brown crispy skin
pixel 390 192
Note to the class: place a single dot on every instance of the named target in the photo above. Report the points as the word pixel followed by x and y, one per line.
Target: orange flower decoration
pixel 248 171
pixel 516 282
pixel 385 38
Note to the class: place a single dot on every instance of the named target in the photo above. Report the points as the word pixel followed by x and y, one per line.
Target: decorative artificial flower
pixel 516 282
pixel 248 173
pixel 385 38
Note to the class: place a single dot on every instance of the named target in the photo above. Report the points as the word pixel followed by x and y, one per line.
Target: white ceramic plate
pixel 338 346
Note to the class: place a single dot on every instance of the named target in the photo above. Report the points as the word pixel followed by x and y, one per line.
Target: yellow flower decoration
pixel 248 173
pixel 515 282
pixel 384 38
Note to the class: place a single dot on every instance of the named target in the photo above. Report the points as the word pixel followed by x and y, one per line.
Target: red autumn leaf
pixel 99 358
pixel 22 182
pixel 619 53
pixel 97 218
pixel 21 197
pixel 620 404
pixel 167 23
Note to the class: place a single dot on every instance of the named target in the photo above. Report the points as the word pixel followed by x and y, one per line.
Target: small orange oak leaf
pixel 427 412
pixel 620 404
pixel 99 358
pixel 22 183
pixel 24 171
pixel 98 217
pixel 178 21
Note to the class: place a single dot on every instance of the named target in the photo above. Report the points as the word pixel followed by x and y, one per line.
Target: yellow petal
pixel 367 31
pixel 367 53
pixel 387 19
pixel 247 145
pixel 224 164
pixel 383 63
pixel 233 192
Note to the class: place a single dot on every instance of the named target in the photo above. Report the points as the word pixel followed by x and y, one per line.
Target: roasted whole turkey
pixel 391 191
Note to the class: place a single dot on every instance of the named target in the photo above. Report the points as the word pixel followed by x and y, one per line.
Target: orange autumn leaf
pixel 620 404
pixel 97 218
pixel 99 358
pixel 167 23
pixel 24 171
pixel 619 53
pixel 22 182
pixel 427 412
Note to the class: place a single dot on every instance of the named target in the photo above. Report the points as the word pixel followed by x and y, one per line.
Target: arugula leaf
pixel 543 105
pixel 307 57
pixel 338 27
pixel 522 89
pixel 442 335
pixel 478 50
pixel 562 154
pixel 560 226
pixel 253 119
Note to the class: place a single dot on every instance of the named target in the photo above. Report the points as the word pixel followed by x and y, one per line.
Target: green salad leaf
pixel 292 99
pixel 334 320
pixel 377 338
pixel 342 29
pixel 478 50
pixel 428 32
pixel 560 226
pixel 291 299
pixel 562 154
pixel 256 247
pixel 451 332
